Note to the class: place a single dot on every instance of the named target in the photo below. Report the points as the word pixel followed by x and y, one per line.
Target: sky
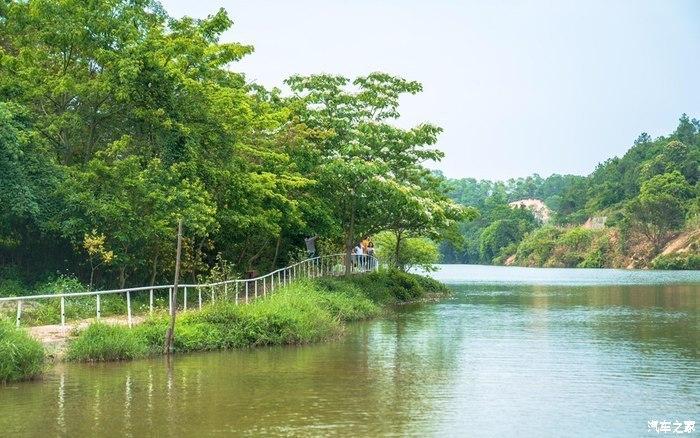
pixel 519 87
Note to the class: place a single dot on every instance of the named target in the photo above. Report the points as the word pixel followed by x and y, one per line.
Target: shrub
pixel 687 261
pixel 11 287
pixel 536 248
pixel 102 342
pixel 21 357
pixel 391 286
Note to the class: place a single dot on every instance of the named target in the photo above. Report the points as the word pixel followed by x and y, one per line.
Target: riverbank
pixel 305 312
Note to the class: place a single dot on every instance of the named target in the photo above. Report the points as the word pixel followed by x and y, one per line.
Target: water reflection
pixel 510 359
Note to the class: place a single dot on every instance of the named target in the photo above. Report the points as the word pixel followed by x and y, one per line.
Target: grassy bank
pixel 305 312
pixel 21 357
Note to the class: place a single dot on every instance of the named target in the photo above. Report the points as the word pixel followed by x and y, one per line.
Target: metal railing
pixel 237 290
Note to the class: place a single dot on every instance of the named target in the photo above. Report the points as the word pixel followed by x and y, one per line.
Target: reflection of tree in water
pixel 414 357
pixel 377 379
pixel 653 318
pixel 393 375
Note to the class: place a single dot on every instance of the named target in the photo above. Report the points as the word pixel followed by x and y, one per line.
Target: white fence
pixel 237 290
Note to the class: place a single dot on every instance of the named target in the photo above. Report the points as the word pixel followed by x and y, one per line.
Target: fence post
pixel 63 310
pixel 255 288
pixel 264 286
pixel 150 301
pixel 211 289
pixel 226 291
pixel 246 291
pixel 170 301
pixel 97 297
pixel 128 307
pixel 199 294
pixel 185 297
pixel 237 283
pixel 19 311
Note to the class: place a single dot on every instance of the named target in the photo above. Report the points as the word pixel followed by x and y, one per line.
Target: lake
pixel 515 352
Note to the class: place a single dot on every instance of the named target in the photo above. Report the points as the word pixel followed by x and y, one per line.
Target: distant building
pixel 538 208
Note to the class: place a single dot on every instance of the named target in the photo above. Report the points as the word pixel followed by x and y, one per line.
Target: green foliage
pixel 499 235
pixel 684 261
pixel 21 357
pixel 536 248
pixel 393 286
pixel 116 120
pixel 660 207
pixel 411 252
pixel 103 342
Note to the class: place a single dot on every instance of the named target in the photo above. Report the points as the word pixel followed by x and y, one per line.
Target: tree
pixel 134 202
pixel 660 207
pixel 499 235
pixel 362 155
pixel 416 209
pixel 94 245
pixel 414 252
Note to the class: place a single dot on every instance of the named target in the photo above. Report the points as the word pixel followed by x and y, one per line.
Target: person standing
pixel 370 255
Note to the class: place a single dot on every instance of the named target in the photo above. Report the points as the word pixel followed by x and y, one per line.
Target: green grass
pixel 102 342
pixel 21 357
pixel 307 311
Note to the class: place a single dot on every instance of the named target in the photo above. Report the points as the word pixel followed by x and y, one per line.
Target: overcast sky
pixel 518 86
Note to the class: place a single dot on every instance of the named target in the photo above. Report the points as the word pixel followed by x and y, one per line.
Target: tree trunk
pixel 122 277
pixel 277 252
pixel 154 270
pixel 169 335
pixel 92 273
pixel 349 242
pixel 397 251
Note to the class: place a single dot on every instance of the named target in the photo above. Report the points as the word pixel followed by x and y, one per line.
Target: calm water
pixel 516 352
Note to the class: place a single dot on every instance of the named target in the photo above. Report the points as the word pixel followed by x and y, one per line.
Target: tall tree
pixel 361 152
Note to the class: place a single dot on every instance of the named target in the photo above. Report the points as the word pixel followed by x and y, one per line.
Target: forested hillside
pixel 117 120
pixel 624 214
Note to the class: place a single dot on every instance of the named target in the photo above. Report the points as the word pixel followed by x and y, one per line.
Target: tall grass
pixel 306 311
pixel 21 357
pixel 102 342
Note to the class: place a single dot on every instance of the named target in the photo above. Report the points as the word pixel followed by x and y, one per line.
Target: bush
pixel 536 248
pixel 414 252
pixel 102 342
pixel 392 286
pixel 685 261
pixel 11 287
pixel 21 357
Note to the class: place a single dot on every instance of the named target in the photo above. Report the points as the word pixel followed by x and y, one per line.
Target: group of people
pixel 363 253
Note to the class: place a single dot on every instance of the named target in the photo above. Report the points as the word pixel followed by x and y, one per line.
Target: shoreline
pixel 302 313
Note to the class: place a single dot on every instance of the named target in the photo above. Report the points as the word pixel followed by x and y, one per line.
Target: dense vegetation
pixel 304 312
pixel 21 357
pixel 116 120
pixel 641 201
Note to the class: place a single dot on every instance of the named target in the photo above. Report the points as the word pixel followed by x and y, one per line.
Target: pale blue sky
pixel 519 86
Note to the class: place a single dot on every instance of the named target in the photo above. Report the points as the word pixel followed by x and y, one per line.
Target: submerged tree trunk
pixel 169 335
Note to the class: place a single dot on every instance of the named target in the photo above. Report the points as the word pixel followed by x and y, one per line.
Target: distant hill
pixel 624 214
